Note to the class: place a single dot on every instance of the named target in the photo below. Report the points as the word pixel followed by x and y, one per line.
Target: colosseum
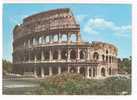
pixel 49 43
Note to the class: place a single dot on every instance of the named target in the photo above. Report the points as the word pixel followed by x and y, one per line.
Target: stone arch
pixel 106 51
pixel 82 54
pixel 106 58
pixel 54 70
pixel 46 55
pixel 43 40
pixel 47 39
pixel 32 56
pixel 110 59
pixel 103 73
pixel 55 38
pixel 109 71
pixel 40 40
pixel 63 54
pixel 55 54
pixel 90 72
pixel 103 57
pixel 73 54
pixel 73 38
pixel 38 55
pixel 64 38
pixel 34 42
pixel 96 56
pixel 82 71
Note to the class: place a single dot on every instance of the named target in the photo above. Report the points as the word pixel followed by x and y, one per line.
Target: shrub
pixel 74 84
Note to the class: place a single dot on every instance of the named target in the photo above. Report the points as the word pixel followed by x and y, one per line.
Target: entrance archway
pixel 82 71
pixel 103 72
pixel 109 71
pixel 95 56
pixel 82 54
pixel 73 54
pixel 55 54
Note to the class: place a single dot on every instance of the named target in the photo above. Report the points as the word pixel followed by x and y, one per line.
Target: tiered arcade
pixel 49 43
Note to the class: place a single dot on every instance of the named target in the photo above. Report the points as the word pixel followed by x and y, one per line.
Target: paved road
pixel 18 86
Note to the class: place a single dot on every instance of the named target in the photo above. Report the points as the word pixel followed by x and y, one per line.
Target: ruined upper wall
pixel 58 19
pixel 104 48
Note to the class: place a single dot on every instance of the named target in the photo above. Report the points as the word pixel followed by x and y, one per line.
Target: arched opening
pixel 34 42
pixel 89 72
pixel 82 54
pixel 40 40
pixel 38 55
pixel 95 56
pixel 55 38
pixel 46 39
pixel 94 72
pixel 38 71
pixel 32 56
pixel 43 40
pixel 55 70
pixel 46 70
pixel 106 58
pixel 106 51
pixel 64 54
pixel 109 71
pixel 46 55
pixel 103 57
pixel 82 71
pixel 103 72
pixel 64 69
pixel 109 59
pixel 73 38
pixel 73 54
pixel 55 54
pixel 64 38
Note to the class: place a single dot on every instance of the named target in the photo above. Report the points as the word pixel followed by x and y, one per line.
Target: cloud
pixel 101 24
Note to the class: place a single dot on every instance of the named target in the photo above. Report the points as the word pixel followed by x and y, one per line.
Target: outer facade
pixel 49 43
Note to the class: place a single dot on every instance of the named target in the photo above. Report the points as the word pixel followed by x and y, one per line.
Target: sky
pixel 98 22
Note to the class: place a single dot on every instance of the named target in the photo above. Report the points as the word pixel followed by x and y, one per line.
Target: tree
pixel 7 66
pixel 125 65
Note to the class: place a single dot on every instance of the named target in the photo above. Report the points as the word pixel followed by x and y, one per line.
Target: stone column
pixel 87 72
pixel 29 56
pixel 42 56
pixel 35 72
pixel 91 72
pixel 100 57
pixel 68 58
pixel 78 69
pixel 50 54
pixel 78 55
pixel 78 37
pixel 59 70
pixel 68 37
pixel 51 38
pixel 59 54
pixel 59 37
pixel 98 72
pixel 68 69
pixel 50 71
pixel 42 72
pixel 28 43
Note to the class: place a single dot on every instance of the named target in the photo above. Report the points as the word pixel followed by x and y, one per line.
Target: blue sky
pixel 98 22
